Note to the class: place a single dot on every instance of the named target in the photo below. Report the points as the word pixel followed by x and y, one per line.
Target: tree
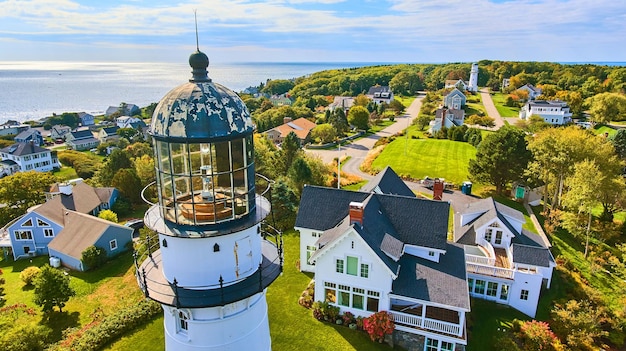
pixel 339 121
pixel 324 132
pixel 299 174
pixel 108 215
pixel 118 159
pixel 277 86
pixel 361 100
pixel 290 148
pixel 284 205
pixel 52 288
pixel 21 191
pixel 582 196
pixel 358 116
pixel 422 121
pixel 501 158
pixel 579 324
pixel 128 183
pixel 29 274
pixel 619 142
pixel 127 133
pixel 607 107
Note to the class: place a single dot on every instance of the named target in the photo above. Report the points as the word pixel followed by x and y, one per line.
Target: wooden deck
pixel 502 260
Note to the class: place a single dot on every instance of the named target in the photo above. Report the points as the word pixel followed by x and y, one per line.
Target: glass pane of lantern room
pixel 178 159
pixel 237 154
pixel 221 165
pixel 163 155
pixel 195 157
pixel 249 150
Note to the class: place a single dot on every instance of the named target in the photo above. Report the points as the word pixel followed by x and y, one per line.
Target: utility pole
pixel 339 165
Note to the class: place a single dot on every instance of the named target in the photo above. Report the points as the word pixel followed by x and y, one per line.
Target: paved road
pixel 491 109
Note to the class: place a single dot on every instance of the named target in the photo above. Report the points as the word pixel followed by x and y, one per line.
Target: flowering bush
pixel 348 318
pixel 308 296
pixel 378 325
pixel 29 274
pixel 536 335
pixel 325 311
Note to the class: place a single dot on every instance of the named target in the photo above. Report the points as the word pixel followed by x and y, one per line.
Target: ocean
pixel 33 90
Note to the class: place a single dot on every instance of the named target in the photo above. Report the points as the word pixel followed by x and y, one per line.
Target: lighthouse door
pixel 243 256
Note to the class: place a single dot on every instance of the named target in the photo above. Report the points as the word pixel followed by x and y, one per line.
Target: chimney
pixel 286 120
pixel 356 213
pixel 438 189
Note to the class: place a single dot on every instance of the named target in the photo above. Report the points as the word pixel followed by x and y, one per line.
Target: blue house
pixel 454 99
pixel 82 231
pixel 86 119
pixel 30 135
pixel 31 233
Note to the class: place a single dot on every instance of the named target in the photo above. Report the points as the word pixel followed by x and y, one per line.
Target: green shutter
pixel 353 264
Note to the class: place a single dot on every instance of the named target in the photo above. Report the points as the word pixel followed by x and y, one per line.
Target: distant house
pixel 130 122
pixel 504 262
pixel 454 99
pixel 533 92
pixel 380 94
pixel 30 135
pixel 86 119
pixel 301 126
pixel 552 111
pixel 448 118
pixel 78 196
pixel 21 157
pixel 374 251
pixel 251 90
pixel 505 83
pixel 108 134
pixel 81 140
pixel 12 129
pixel 127 109
pixel 342 102
pixel 281 100
pixel 458 83
pixel 59 132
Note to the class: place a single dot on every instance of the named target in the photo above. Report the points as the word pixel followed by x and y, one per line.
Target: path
pixel 492 111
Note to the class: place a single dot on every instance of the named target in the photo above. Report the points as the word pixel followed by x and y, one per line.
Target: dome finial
pixel 199 61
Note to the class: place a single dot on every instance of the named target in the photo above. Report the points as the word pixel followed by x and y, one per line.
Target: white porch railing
pixel 489 261
pixel 490 270
pixel 426 323
pixel 487 246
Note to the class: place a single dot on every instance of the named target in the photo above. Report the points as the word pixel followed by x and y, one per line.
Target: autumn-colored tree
pixel 607 107
pixel 108 215
pixel 22 190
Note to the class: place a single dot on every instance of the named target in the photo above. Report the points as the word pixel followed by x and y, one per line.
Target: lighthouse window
pixel 183 324
pixel 216 248
pixel 164 243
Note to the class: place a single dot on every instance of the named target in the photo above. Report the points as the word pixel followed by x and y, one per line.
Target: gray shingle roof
pixel 387 182
pixel 531 255
pixel 444 282
pixel 392 246
pixel 23 149
pixel 322 208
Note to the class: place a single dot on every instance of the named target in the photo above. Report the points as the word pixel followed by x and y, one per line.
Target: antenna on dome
pixel 195 17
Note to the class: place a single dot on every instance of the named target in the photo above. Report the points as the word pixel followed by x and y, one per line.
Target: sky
pixel 389 31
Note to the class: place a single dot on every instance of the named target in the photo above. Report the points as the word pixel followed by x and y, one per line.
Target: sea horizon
pixel 32 90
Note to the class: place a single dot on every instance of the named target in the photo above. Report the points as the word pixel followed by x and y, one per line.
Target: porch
pixel 419 317
pixel 486 260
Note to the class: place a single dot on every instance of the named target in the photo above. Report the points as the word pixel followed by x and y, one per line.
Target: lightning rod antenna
pixel 195 17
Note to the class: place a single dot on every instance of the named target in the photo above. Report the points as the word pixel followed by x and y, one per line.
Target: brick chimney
pixel 356 213
pixel 438 189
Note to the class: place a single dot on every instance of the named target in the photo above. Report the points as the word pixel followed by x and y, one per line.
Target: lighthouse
pixel 212 258
pixel 473 81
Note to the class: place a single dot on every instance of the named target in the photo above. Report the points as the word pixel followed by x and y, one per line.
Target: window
pixel 358 298
pixel 48 232
pixel 182 324
pixel 523 295
pixel 113 244
pixel 28 223
pixel 330 292
pixel 447 346
pixel 339 266
pixel 353 264
pixel 23 235
pixel 309 252
pixel 431 253
pixel 372 300
pixel 432 344
pixel 479 287
pixel 365 270
pixel 504 292
pixel 488 235
pixel 470 284
pixel 41 223
pixel 492 289
pixel 498 238
pixel 344 295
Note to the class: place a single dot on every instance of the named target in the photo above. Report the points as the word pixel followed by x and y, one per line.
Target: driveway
pixel 491 109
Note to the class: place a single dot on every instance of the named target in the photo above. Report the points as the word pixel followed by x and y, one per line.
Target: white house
pixel 446 117
pixel 59 132
pixel 458 83
pixel 504 262
pixel 374 251
pixel 552 111
pixel 128 122
pixel 454 99
pixel 81 140
pixel 533 92
pixel 342 102
pixel 380 94
pixel 27 157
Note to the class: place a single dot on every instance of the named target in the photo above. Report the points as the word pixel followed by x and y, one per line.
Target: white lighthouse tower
pixel 473 81
pixel 213 260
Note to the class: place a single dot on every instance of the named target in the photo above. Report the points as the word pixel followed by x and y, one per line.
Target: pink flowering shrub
pixel 378 325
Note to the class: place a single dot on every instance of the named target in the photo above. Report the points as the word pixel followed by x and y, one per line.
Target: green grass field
pixel 505 111
pixel 602 129
pixel 427 157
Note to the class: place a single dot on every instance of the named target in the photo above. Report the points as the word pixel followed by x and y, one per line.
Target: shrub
pixel 94 257
pixel 348 318
pixel 110 328
pixel 29 274
pixel 308 296
pixel 325 311
pixel 378 325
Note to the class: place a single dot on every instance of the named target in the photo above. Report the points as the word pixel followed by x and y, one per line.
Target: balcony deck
pixel 438 321
pixel 154 285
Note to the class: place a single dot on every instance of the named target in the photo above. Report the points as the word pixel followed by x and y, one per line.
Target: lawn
pixel 602 129
pixel 292 327
pixel 418 158
pixel 499 100
pixel 405 100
